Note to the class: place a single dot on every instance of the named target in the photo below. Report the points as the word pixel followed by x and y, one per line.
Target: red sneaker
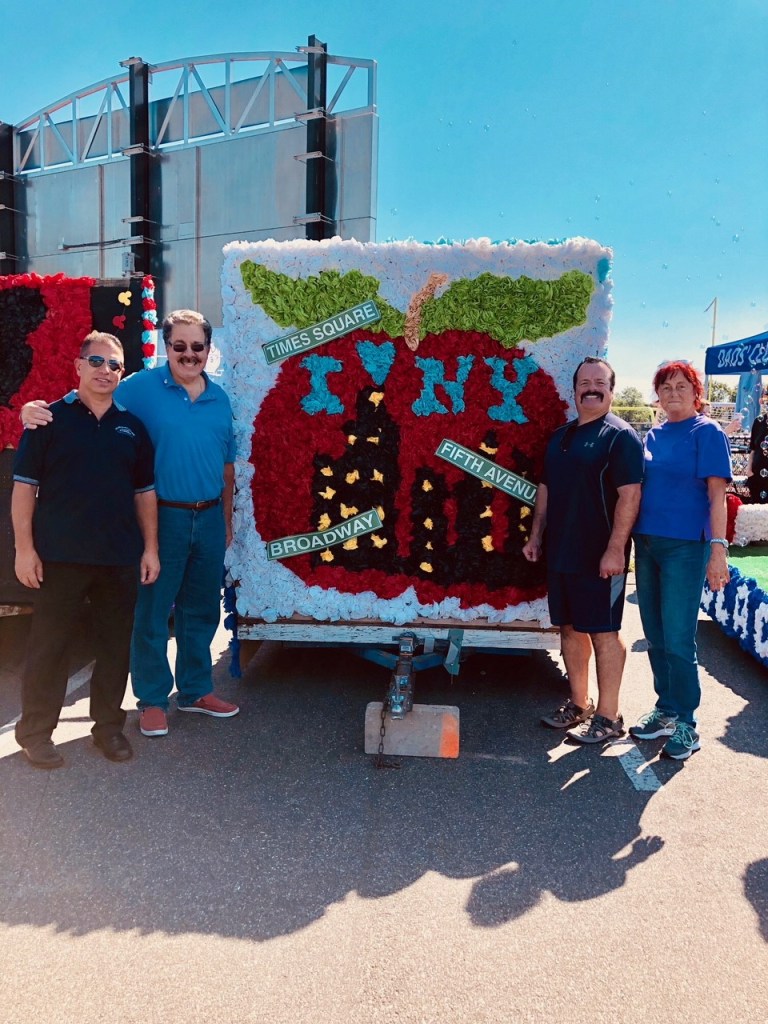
pixel 153 722
pixel 212 705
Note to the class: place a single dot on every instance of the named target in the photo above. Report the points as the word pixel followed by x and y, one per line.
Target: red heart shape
pixel 148 350
pixel 119 322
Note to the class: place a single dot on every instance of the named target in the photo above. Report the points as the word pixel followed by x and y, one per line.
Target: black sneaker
pixel 568 715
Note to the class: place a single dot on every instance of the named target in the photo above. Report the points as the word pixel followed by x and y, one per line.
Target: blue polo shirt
pixel 583 468
pixel 88 472
pixel 193 440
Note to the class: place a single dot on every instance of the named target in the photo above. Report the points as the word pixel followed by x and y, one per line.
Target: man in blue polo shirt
pixel 84 517
pixel 189 420
pixel 587 502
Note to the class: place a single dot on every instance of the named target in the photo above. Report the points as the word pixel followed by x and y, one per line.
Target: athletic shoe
pixel 211 705
pixel 598 730
pixel 653 725
pixel 683 742
pixel 153 722
pixel 568 715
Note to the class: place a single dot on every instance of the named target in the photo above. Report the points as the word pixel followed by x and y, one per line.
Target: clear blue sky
pixel 642 124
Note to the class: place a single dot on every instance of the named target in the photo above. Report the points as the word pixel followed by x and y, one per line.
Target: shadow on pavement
pixel 254 826
pixel 722 657
pixel 756 891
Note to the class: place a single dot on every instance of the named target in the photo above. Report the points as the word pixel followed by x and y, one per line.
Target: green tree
pixel 722 391
pixel 628 396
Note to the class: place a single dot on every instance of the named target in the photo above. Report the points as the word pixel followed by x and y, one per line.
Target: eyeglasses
pixel 95 361
pixel 180 346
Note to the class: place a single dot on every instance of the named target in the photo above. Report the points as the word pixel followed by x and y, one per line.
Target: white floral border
pixel 269 590
pixel 741 611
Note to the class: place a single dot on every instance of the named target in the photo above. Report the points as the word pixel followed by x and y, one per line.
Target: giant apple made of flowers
pixel 355 425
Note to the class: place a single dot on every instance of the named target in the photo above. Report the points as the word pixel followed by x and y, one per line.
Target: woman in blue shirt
pixel 679 542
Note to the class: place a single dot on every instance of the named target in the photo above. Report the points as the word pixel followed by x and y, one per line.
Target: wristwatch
pixel 720 540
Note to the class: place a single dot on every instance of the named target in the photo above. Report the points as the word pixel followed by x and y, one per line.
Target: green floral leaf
pixel 511 310
pixel 310 300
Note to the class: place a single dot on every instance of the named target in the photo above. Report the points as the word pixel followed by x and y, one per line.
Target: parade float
pixel 43 320
pixel 392 405
pixel 741 608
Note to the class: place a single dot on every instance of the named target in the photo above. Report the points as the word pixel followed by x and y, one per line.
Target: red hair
pixel 691 374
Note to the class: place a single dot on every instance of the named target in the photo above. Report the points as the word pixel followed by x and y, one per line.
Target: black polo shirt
pixel 88 472
pixel 583 468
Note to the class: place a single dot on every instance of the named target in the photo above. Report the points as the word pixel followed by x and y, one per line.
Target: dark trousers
pixel 58 606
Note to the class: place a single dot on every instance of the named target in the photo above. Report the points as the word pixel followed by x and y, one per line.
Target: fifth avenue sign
pixel 490 472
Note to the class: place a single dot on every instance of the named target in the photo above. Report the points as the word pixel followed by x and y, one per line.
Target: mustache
pixel 593 394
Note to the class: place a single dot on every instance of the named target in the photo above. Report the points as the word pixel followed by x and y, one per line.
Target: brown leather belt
pixel 195 506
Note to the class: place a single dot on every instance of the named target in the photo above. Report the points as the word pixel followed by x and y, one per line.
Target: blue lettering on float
pixel 509 411
pixel 377 359
pixel 434 374
pixel 320 399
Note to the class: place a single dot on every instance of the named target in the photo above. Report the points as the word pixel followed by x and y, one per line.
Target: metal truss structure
pixel 252 92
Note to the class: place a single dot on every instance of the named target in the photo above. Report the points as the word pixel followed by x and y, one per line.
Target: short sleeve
pixel 29 460
pixel 144 472
pixel 713 453
pixel 627 458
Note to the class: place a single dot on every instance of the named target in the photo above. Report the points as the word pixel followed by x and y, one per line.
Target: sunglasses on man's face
pixel 95 361
pixel 180 346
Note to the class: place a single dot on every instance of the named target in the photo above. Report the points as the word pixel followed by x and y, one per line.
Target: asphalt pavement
pixel 261 868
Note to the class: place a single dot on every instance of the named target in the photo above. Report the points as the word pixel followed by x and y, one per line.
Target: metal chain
pixel 380 761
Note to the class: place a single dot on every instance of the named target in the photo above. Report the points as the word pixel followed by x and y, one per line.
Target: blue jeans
pixel 670 576
pixel 191 564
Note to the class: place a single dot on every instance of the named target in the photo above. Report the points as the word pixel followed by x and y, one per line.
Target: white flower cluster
pixel 269 590
pixel 751 525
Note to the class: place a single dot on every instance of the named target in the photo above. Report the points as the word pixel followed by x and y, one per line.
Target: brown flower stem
pixel 413 316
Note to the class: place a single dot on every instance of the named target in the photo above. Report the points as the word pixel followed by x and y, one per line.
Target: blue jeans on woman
pixel 192 545
pixel 670 576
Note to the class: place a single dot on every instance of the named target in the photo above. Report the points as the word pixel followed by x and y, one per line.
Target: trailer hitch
pixel 400 695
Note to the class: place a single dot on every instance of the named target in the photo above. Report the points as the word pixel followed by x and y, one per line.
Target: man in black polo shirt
pixel 587 501
pixel 85 525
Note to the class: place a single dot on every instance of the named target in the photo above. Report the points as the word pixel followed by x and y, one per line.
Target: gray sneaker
pixel 653 725
pixel 568 715
pixel 599 730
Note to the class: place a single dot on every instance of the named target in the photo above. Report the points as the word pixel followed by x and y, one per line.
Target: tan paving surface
pixel 259 869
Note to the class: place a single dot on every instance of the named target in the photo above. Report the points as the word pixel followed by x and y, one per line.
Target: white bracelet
pixel 720 540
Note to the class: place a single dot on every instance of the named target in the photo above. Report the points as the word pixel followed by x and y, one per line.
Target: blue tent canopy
pixel 745 356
